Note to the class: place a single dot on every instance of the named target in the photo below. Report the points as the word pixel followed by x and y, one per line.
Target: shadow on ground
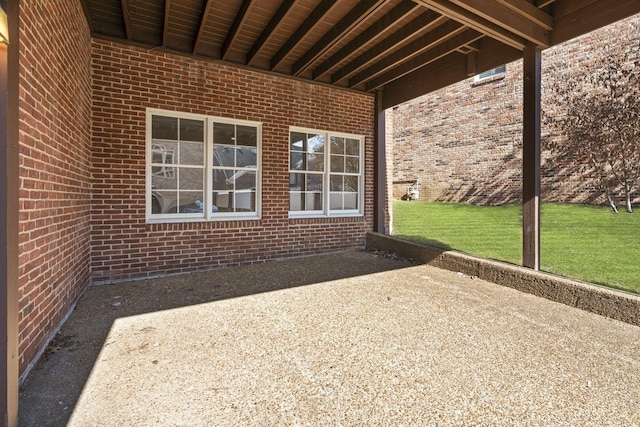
pixel 50 393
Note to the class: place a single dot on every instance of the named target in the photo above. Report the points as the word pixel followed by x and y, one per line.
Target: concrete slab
pixel 343 339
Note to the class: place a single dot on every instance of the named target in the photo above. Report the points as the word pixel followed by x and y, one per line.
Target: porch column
pixel 380 165
pixel 9 220
pixel 531 158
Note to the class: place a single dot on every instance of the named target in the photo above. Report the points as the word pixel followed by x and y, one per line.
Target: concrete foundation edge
pixel 607 302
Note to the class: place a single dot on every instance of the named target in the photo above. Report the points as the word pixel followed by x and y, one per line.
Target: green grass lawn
pixel 582 242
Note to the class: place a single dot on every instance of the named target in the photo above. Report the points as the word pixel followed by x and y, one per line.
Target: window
pixel 201 168
pixel 325 174
pixel 493 74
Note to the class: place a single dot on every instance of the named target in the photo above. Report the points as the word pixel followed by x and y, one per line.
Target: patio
pixel 352 338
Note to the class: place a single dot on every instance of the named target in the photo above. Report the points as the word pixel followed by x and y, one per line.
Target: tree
pixel 596 115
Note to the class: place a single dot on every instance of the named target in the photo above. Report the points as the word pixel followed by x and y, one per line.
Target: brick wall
pixel 464 142
pixel 55 136
pixel 127 80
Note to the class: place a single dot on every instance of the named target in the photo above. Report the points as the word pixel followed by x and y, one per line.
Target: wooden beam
pixel 126 17
pixel 478 23
pixel 336 33
pixel 277 19
pixel 308 24
pixel 440 50
pixel 380 167
pixel 197 46
pixel 472 58
pixel 165 28
pixel 531 157
pixel 447 70
pixel 9 214
pixel 420 25
pixel 591 17
pixel 519 23
pixel 236 28
pixel 416 47
pixel 530 12
pixel 371 33
pixel 543 3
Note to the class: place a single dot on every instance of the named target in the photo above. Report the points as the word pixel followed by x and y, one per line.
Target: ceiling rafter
pixel 277 19
pixel 127 19
pixel 441 50
pixel 516 22
pixel 419 25
pixel 312 20
pixel 236 28
pixel 467 17
pixel 443 32
pixel 197 46
pixel 376 30
pixel 337 32
pixel 165 28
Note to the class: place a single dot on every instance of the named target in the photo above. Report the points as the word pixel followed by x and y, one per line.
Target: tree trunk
pixel 627 195
pixel 612 203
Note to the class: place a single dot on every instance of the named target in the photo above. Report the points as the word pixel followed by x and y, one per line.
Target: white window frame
pixel 493 74
pixel 207 214
pixel 326 212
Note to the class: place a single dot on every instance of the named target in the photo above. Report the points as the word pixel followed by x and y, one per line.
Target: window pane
pixel 246 157
pixel 190 179
pixel 164 128
pixel 350 183
pixel 244 200
pixel 247 136
pixel 187 201
pixel 164 202
pixel 337 164
pixel 297 141
pixel 221 179
pixel 313 201
pixel 352 147
pixel 315 162
pixel 224 133
pixel 296 181
pixel 160 181
pixel 297 161
pixel 243 180
pixel 164 152
pixel 223 200
pixel 314 182
pixel 191 153
pixel 337 145
pixel 315 143
pixel 352 164
pixel 335 201
pixel 223 156
pixel 336 183
pixel 191 130
pixel 296 201
pixel 350 200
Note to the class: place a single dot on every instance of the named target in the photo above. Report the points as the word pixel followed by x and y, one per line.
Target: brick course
pixel 127 80
pixel 54 137
pixel 464 142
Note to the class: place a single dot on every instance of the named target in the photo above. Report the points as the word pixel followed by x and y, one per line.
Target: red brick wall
pixel 126 81
pixel 464 142
pixel 55 136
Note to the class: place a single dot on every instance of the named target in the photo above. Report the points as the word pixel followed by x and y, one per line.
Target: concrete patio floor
pixel 352 338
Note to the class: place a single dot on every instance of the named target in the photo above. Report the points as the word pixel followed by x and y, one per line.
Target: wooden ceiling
pixel 410 46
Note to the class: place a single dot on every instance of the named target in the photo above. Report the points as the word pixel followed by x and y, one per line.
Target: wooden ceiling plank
pixel 416 47
pixel 531 12
pixel 197 46
pixel 422 23
pixel 165 29
pixel 544 3
pixel 399 12
pixel 337 32
pixel 312 20
pixel 591 17
pixel 507 18
pixel 236 28
pixel 127 18
pixel 439 51
pixel 277 19
pixel 455 12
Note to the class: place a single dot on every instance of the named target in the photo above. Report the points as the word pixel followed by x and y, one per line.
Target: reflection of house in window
pixel 160 154
pixel 494 74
